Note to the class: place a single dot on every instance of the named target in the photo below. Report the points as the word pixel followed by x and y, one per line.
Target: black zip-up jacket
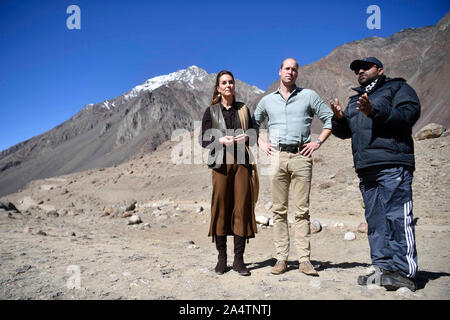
pixel 384 137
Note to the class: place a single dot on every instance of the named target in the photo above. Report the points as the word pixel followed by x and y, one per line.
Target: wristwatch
pixel 319 141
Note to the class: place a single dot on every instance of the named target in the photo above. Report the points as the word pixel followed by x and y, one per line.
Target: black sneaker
pixel 395 280
pixel 372 278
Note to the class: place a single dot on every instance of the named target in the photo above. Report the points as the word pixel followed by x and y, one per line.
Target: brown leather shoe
pixel 307 268
pixel 279 267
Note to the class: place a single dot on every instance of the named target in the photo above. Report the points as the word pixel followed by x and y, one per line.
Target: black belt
pixel 292 148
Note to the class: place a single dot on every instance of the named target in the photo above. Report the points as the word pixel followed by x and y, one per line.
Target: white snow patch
pixel 188 75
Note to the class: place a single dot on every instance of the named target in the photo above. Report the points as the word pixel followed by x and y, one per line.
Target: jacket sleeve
pixel 205 140
pixel 405 109
pixel 340 127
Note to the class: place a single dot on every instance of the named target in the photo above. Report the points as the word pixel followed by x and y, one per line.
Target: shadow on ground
pixel 318 265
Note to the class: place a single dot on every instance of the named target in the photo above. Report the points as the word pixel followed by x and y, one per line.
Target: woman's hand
pixel 242 138
pixel 227 140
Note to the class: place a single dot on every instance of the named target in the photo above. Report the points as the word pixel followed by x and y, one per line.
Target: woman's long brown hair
pixel 216 97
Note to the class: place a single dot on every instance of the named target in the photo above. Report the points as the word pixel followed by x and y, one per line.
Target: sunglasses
pixel 365 67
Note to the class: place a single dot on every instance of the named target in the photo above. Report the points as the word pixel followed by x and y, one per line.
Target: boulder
pixel 430 131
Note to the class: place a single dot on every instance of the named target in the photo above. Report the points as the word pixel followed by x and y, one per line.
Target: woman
pixel 231 204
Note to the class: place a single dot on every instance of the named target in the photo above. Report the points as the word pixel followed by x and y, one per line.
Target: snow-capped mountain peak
pixel 188 75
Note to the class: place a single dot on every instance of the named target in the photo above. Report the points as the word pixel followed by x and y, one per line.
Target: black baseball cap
pixel 357 64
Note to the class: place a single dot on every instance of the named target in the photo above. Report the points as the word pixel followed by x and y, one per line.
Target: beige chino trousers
pixel 295 169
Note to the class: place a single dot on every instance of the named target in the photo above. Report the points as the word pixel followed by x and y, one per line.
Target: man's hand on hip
pixel 267 147
pixel 309 148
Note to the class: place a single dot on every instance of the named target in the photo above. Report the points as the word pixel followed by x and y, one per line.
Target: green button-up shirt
pixel 290 120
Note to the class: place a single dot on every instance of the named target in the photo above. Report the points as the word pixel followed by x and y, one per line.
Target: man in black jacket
pixel 379 119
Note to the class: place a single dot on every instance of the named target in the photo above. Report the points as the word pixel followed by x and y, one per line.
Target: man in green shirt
pixel 290 111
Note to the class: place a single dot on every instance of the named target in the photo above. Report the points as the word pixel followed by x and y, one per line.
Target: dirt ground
pixel 71 241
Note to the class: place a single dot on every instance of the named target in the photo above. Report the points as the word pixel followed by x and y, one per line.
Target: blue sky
pixel 48 72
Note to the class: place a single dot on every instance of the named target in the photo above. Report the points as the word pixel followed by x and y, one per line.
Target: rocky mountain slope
pixel 108 133
pixel 421 56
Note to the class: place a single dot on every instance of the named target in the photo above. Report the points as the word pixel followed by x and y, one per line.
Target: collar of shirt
pixel 232 108
pixel 293 93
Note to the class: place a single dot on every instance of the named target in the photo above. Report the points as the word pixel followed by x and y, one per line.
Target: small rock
pixel 323 185
pixel 28 230
pixel 349 236
pixel 435 163
pixel 127 214
pixel 23 269
pixel 264 286
pixel 339 225
pixel 131 206
pixel 41 233
pixel 262 220
pixel 199 209
pixel 134 219
pixel 363 227
pixel 145 226
pixel 52 213
pixel 315 226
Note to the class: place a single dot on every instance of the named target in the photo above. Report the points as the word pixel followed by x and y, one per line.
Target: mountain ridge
pixel 110 132
pixel 419 55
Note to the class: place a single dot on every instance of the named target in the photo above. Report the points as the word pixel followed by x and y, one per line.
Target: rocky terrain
pixel 138 230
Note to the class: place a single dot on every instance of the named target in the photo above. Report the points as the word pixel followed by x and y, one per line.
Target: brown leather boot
pixel 221 246
pixel 307 268
pixel 238 263
pixel 279 267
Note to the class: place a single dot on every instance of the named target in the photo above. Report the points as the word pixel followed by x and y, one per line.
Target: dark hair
pixel 216 97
